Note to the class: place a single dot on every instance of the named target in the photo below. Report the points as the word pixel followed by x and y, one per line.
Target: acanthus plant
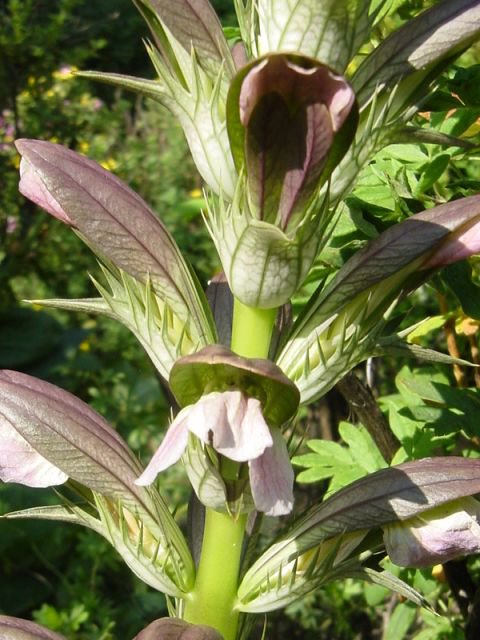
pixel 279 129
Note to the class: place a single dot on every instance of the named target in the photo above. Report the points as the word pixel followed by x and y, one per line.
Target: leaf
pixel 204 477
pixel 340 323
pixel 416 135
pixel 292 581
pixel 458 278
pixel 342 464
pixel 394 346
pixel 388 495
pixel 60 513
pixel 19 629
pixel 400 622
pixel 117 224
pixel 195 24
pixel 330 31
pixel 447 27
pixel 77 440
pixel 220 300
pixel 390 582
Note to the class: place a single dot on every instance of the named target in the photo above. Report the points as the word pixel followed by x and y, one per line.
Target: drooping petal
pixel 232 423
pixel 271 478
pixel 435 536
pixel 33 188
pixel 171 449
pixel 19 462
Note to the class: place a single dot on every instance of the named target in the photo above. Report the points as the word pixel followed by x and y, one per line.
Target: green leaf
pixel 342 464
pixel 417 135
pixel 390 582
pixel 400 622
pixel 458 277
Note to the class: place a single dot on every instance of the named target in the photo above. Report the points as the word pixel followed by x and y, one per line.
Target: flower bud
pixel 290 120
pixel 284 114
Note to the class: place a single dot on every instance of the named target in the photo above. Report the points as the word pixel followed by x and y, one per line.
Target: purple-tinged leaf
pixel 427 240
pixel 175 629
pixel 446 28
pixel 388 495
pixel 19 629
pixel 116 223
pixel 195 24
pixel 284 117
pixel 80 443
pixel 71 436
pixel 220 299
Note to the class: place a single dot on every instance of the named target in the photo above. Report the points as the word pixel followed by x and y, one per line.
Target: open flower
pixel 436 536
pixel 233 424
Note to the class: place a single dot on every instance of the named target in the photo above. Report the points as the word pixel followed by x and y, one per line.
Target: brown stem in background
pixel 365 407
pixel 449 328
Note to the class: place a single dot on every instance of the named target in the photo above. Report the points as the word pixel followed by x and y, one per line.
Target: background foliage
pixel 69 579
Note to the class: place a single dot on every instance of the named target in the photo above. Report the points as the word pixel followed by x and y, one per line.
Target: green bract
pixel 216 368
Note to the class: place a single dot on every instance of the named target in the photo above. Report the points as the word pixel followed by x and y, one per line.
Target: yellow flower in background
pixel 110 164
pixel 84 146
pixel 84 346
pixel 196 193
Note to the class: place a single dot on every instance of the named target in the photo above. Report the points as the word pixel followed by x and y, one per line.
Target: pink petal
pixel 19 462
pixel 33 188
pixel 232 423
pixel 271 478
pixel 171 449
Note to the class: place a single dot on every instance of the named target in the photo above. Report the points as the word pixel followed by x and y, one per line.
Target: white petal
pixel 271 478
pixel 436 536
pixel 232 423
pixel 19 462
pixel 171 449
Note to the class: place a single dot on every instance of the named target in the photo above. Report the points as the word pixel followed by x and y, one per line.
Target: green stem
pixel 216 584
pixel 252 330
pixel 213 598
